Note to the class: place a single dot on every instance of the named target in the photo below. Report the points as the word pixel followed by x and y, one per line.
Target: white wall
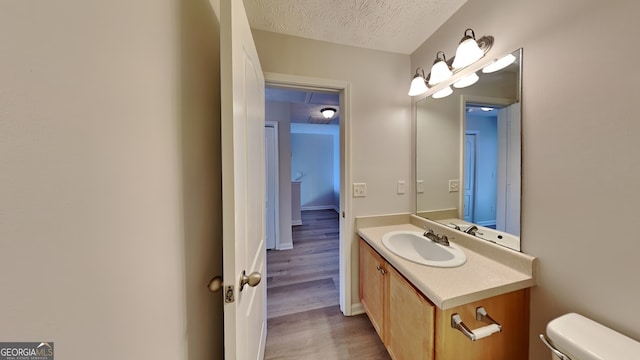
pixel 201 182
pixel 312 155
pixel 320 168
pixel 380 119
pixel 91 204
pixel 580 164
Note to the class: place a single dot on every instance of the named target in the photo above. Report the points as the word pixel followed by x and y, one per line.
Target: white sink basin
pixel 414 246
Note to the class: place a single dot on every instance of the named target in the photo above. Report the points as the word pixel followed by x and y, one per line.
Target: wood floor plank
pixel 301 297
pixel 304 319
pixel 323 334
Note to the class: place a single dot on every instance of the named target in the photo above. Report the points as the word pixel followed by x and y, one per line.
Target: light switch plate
pixel 454 185
pixel 359 189
pixel 420 186
pixel 400 187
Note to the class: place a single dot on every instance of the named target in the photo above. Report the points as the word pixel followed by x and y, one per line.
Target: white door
pixel 243 179
pixel 271 172
pixel 469 177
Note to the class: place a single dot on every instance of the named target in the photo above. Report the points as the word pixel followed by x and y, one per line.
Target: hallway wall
pixel 91 231
pixel 315 153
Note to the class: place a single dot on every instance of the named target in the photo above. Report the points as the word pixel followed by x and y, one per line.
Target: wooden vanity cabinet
pixel 402 316
pixel 373 286
pixel 412 328
pixel 411 322
pixel 511 310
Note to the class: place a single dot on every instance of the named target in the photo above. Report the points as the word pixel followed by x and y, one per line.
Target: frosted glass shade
pixel 328 113
pixel 418 86
pixel 467 53
pixel 439 73
pixel 443 93
pixel 499 64
pixel 466 81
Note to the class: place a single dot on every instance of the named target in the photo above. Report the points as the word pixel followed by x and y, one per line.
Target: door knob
pixel 252 279
pixel 215 284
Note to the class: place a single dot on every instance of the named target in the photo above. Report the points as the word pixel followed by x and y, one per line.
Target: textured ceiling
pixel 391 25
pixel 306 105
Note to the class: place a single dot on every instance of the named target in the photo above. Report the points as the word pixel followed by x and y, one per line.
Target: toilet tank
pixel 580 338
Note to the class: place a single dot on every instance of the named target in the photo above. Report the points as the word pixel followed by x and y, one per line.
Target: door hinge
pixel 228 294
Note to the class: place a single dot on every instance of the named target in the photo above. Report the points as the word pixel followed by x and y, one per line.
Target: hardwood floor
pixel 303 315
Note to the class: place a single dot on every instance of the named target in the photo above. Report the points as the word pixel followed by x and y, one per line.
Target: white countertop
pixel 485 274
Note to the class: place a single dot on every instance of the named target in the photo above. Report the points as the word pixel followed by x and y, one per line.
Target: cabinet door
pixel 373 286
pixel 410 323
pixel 511 310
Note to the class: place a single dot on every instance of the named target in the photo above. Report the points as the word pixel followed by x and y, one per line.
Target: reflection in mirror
pixel 468 157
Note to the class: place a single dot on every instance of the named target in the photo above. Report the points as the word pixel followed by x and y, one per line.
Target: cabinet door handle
pixel 379 268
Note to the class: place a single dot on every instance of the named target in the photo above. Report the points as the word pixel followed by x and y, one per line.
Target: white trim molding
pixel 345 214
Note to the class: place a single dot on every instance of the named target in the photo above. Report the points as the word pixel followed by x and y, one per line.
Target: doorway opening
pixel 491 142
pixel 345 218
pixel 302 150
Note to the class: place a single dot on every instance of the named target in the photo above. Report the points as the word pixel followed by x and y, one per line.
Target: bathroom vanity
pixel 411 305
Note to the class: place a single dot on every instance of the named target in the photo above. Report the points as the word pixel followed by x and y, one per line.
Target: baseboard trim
pixel 287 246
pixel 296 222
pixel 318 207
pixel 357 309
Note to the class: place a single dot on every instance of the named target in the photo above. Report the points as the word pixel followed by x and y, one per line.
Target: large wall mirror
pixel 468 157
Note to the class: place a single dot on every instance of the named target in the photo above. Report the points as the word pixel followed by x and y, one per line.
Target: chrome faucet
pixel 471 230
pixel 438 239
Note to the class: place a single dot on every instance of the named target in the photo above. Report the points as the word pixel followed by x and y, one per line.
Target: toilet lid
pixel 584 339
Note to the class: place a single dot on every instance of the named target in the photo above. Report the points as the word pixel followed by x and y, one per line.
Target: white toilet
pixel 575 337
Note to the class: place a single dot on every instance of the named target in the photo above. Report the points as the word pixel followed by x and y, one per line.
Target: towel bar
pixel 481 315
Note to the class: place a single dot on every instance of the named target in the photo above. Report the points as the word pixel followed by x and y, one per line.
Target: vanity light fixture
pixel 468 51
pixel 440 71
pixel 499 64
pixel 418 84
pixel 328 112
pixel 483 108
pixel 443 93
pixel 471 50
pixel 466 81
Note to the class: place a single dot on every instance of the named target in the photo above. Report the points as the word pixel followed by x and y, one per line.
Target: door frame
pixel 276 189
pixel 346 217
pixel 464 100
pixel 474 175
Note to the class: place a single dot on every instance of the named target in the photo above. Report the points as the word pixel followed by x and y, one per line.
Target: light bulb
pixel 466 81
pixel 499 64
pixel 443 93
pixel 418 86
pixel 468 51
pixel 328 112
pixel 440 70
